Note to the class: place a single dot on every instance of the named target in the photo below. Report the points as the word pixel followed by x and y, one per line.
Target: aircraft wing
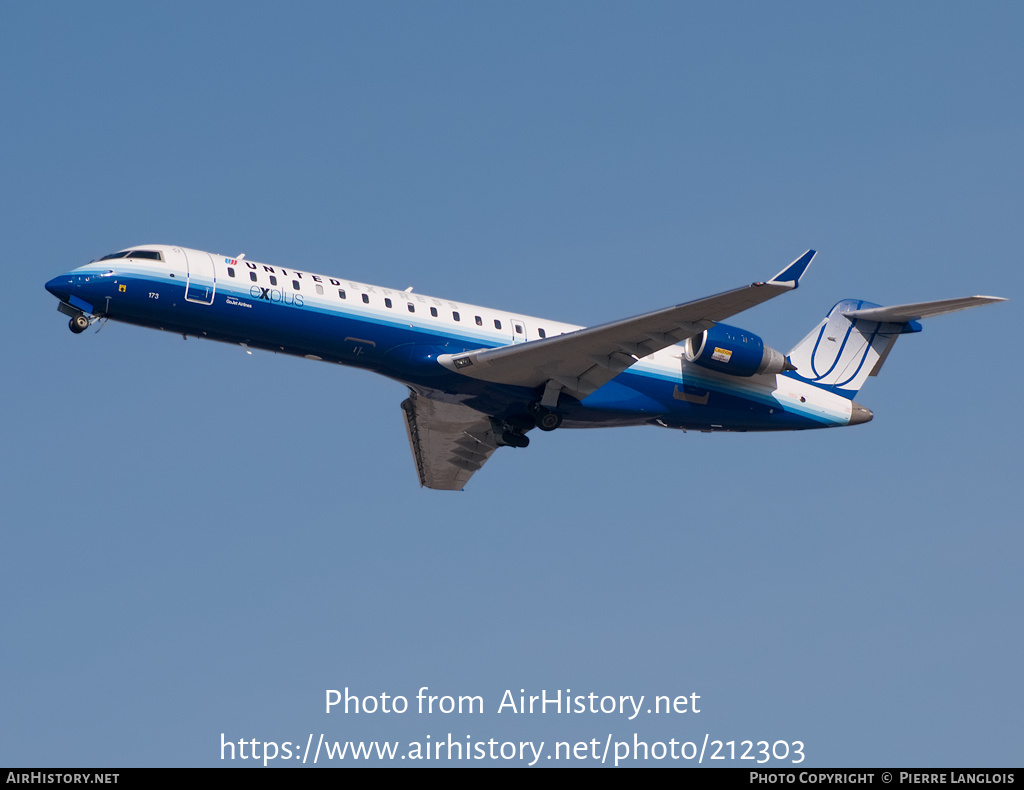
pixel 579 362
pixel 449 441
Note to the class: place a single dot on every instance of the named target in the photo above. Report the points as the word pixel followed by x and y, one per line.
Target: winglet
pixel 790 276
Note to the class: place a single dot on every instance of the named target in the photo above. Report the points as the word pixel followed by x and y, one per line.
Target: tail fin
pixel 854 339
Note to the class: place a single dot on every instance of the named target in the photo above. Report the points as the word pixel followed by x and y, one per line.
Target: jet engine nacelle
pixel 737 352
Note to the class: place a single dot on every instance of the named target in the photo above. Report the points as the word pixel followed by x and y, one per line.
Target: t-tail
pixel 855 338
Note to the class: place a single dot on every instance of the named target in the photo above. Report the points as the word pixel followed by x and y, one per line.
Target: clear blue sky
pixel 198 542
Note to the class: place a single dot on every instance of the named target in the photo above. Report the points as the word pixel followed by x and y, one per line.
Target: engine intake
pixel 735 351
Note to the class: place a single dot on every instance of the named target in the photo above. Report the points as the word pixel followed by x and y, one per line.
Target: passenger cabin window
pixel 479 321
pixel 320 289
pixel 341 293
pixel 295 284
pixel 231 271
pixel 497 324
pixel 519 328
pixel 412 308
pixel 252 276
pixel 433 311
pixel 273 280
pixel 366 298
pixel 387 303
pixel 542 333
pixel 456 316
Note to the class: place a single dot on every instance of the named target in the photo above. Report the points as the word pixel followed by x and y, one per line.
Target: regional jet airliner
pixel 480 378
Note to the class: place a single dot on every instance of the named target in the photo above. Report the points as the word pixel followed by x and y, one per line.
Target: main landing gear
pixel 547 420
pixel 511 432
pixel 513 439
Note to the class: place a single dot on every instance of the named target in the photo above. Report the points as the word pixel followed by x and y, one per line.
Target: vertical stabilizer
pixel 843 350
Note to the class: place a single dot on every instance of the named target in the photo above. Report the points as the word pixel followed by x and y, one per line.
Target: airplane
pixel 480 378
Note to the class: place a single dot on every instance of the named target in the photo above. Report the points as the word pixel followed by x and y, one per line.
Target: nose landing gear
pixel 78 323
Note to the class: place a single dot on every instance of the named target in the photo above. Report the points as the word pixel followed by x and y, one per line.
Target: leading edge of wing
pixel 582 361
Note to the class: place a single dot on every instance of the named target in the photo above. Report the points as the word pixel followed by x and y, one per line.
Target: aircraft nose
pixel 60 287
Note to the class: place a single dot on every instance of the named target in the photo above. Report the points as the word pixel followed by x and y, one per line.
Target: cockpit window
pixel 149 255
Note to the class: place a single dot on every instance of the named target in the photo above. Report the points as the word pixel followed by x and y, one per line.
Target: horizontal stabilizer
pixel 901 313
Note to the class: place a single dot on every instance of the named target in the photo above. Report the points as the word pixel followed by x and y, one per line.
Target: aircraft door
pixel 518 328
pixel 202 279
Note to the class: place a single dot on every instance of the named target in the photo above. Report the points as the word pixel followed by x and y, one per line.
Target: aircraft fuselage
pixel 400 334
